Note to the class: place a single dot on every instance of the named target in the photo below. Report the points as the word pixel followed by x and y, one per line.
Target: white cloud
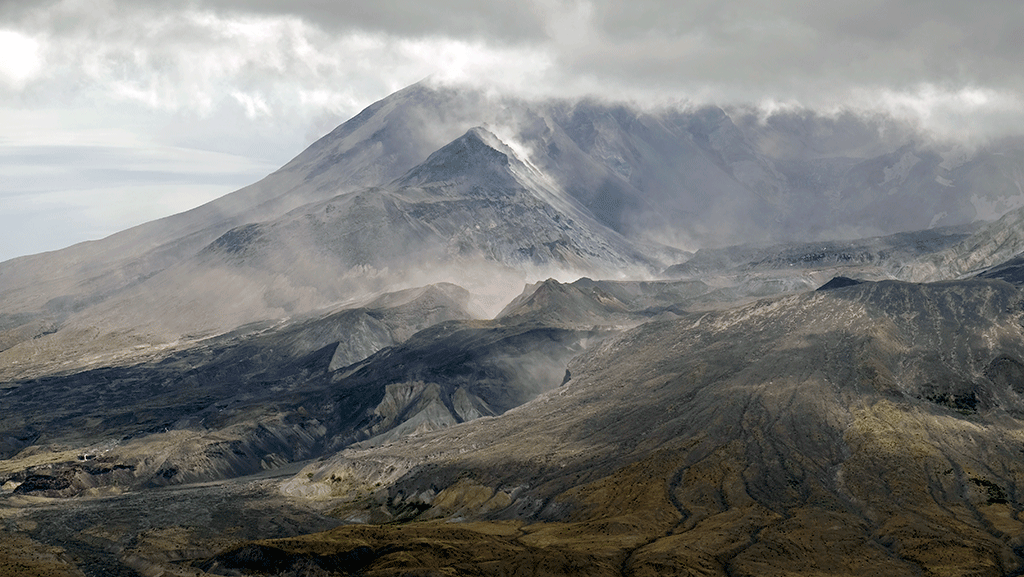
pixel 297 67
pixel 273 66
pixel 254 104
pixel 20 58
pixel 966 114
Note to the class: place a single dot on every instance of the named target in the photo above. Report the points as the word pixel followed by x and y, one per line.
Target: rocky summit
pixel 464 334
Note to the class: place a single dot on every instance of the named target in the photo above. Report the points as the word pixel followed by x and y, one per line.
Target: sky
pixel 113 113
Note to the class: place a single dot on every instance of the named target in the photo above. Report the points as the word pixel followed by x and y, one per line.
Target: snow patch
pixel 992 209
pixel 898 172
pixel 953 157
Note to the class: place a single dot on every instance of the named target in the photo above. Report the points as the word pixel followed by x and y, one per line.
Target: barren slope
pixel 862 430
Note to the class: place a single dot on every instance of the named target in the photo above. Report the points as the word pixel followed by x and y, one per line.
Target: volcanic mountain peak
pixel 556 303
pixel 476 157
pixel 427 294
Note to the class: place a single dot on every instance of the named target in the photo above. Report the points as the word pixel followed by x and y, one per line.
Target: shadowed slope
pixel 239 403
pixel 1011 271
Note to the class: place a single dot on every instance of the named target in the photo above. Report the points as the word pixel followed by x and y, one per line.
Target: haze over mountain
pixel 586 329
pixel 607 183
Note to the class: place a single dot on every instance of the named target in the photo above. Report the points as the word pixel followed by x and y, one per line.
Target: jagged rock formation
pixel 262 397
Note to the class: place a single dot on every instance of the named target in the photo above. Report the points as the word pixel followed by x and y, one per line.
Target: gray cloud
pixel 496 20
pixel 786 50
pixel 777 46
pixel 795 48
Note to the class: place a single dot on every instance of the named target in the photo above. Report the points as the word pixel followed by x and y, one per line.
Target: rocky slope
pixel 231 405
pixel 989 246
pixel 866 429
pixel 267 395
pixel 743 272
pixel 588 302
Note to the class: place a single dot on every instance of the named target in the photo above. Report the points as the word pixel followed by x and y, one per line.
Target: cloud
pixel 302 58
pixel 496 20
pixel 20 58
pixel 269 65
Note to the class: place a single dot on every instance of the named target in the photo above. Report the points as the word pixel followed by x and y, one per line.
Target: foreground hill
pixel 861 430
pixel 866 428
pixel 236 404
pixel 269 394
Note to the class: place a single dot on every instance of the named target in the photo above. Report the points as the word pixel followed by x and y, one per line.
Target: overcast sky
pixel 113 112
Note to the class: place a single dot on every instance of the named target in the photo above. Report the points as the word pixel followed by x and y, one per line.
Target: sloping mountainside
pixel 738 272
pixel 373 148
pixel 871 429
pixel 243 402
pixel 991 245
pixel 88 453
pixel 469 210
pixel 392 199
pixel 267 395
pixel 744 272
pixel 885 255
pixel 861 429
pixel 1010 271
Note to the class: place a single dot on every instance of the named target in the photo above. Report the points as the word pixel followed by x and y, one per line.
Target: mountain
pixel 468 206
pixel 367 336
pixel 559 189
